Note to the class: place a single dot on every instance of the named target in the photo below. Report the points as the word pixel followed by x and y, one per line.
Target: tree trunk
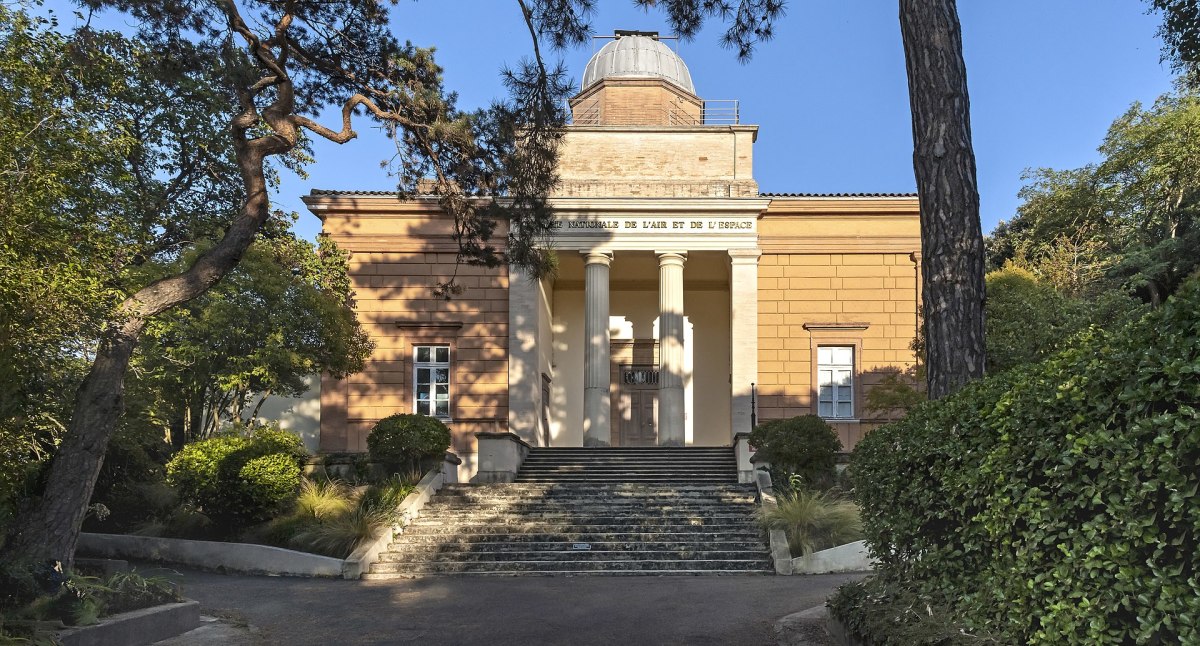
pixel 944 161
pixel 50 529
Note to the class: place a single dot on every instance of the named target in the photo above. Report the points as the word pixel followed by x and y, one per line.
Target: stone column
pixel 524 378
pixel 743 335
pixel 671 406
pixel 597 406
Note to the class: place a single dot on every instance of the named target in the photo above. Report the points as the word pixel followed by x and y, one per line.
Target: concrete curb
pixel 781 554
pixel 213 555
pixel 851 557
pixel 360 561
pixel 136 627
pixel 804 628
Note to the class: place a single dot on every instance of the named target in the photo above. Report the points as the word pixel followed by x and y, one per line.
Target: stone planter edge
pixel 136 627
pixel 360 561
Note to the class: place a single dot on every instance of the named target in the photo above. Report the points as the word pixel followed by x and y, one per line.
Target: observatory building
pixel 686 303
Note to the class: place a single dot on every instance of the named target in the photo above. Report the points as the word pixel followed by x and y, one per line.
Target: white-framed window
pixel 835 381
pixel 431 380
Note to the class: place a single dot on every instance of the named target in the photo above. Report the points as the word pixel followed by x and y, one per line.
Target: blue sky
pixel 829 93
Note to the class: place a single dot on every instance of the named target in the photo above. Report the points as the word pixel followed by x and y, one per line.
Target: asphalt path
pixel 508 610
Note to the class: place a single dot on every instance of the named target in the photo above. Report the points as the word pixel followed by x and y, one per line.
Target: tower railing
pixel 721 112
pixel 712 113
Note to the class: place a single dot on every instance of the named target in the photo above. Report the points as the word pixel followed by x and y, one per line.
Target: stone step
pixel 756 564
pixel 623 526
pixel 598 491
pixel 430 548
pixel 654 459
pixel 572 555
pixel 632 468
pixel 485 507
pixel 591 489
pixel 479 538
pixel 517 507
pixel 641 476
pixel 391 576
pixel 519 521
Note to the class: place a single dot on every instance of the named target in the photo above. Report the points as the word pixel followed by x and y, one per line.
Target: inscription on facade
pixel 657 225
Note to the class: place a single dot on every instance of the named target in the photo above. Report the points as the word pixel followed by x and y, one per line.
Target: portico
pixel 665 287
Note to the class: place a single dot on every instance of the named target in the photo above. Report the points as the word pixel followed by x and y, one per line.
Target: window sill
pixel 841 420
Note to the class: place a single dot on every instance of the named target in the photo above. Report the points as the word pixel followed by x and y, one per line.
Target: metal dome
pixel 637 56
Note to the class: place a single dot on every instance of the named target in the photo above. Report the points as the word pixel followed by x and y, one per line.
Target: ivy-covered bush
pixel 239 479
pixel 1058 503
pixel 804 446
pixel 405 439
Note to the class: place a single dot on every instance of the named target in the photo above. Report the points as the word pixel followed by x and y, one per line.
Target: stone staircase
pixel 575 512
pixel 657 464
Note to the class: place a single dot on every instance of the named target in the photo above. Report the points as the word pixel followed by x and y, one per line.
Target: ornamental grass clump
pixel 333 519
pixel 814 520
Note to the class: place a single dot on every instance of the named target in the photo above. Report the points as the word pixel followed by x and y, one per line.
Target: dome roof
pixel 637 56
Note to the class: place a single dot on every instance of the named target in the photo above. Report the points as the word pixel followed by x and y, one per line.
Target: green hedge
pixel 1057 503
pixel 238 479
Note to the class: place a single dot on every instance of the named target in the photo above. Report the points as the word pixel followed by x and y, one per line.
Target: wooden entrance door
pixel 639 417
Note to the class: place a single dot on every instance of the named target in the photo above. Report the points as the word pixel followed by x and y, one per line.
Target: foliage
pixel 405 438
pixel 284 313
pixel 814 520
pixel 1058 502
pixel 1129 222
pixel 268 484
pixel 320 499
pixel 333 519
pixel 885 614
pixel 805 446
pixel 238 479
pixel 48 593
pixel 1026 320
pixel 1180 32
pixel 56 240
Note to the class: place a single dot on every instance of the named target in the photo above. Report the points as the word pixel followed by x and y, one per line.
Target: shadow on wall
pixel 775 403
pixel 300 415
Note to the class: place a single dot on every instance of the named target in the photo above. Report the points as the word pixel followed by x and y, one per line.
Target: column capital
pixel 671 258
pixel 597 257
pixel 745 256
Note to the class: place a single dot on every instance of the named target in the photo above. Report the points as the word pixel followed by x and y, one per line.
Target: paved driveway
pixel 510 610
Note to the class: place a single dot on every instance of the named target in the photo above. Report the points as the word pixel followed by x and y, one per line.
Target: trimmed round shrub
pixel 805 447
pixel 1057 503
pixel 196 471
pixel 268 484
pixel 405 439
pixel 238 480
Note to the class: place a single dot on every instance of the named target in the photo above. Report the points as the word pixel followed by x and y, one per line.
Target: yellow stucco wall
pixel 835 272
